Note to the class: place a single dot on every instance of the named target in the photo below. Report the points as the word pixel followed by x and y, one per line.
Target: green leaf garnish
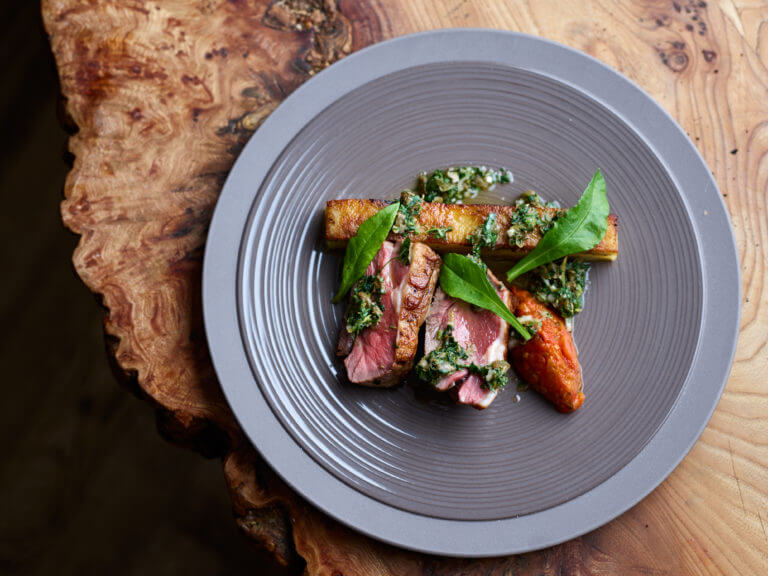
pixel 580 229
pixel 363 246
pixel 466 280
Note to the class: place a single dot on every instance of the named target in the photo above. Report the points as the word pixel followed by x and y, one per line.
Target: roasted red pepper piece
pixel 548 361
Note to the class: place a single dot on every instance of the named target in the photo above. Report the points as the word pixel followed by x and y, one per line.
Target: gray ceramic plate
pixel 656 338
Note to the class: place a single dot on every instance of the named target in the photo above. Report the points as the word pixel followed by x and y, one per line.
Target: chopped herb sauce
pixel 450 357
pixel 365 308
pixel 404 253
pixel 443 360
pixel 483 236
pixel 530 323
pixel 560 285
pixel 455 184
pixel 494 374
pixel 439 232
pixel 407 219
pixel 529 217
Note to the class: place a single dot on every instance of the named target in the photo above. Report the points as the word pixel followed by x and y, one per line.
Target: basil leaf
pixel 578 230
pixel 462 278
pixel 363 246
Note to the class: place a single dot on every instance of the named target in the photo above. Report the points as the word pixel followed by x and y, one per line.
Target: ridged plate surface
pixel 639 336
pixel 636 337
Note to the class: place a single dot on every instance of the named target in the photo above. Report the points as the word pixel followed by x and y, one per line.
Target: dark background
pixel 87 486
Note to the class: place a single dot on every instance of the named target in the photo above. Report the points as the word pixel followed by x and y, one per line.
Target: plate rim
pixel 674 438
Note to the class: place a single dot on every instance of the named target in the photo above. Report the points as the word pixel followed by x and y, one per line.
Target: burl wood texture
pixel 164 94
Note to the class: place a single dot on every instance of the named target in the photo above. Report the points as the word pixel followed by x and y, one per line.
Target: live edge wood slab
pixel 165 93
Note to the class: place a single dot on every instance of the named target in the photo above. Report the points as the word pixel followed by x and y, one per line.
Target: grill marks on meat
pixel 381 355
pixel 480 332
pixel 548 361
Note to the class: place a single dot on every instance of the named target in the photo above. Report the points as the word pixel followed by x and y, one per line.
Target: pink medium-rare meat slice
pixel 472 392
pixel 382 354
pixel 449 381
pixel 372 352
pixel 481 333
pixel 391 272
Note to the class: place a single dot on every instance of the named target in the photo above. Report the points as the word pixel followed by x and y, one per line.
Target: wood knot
pixel 677 60
pixel 249 121
pixel 194 80
pixel 220 52
pixel 709 55
pixel 299 15
pixel 82 205
pixel 695 12
pixel 330 32
pixel 331 43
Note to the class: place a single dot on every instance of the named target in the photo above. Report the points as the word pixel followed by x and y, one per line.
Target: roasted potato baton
pixel 343 217
pixel 548 362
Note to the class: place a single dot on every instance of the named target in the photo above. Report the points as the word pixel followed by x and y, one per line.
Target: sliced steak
pixel 481 333
pixel 548 361
pixel 382 354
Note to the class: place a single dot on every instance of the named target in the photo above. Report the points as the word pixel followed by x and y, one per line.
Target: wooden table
pixel 165 93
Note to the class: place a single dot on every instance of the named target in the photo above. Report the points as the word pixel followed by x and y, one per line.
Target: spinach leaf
pixel 466 280
pixel 580 229
pixel 364 245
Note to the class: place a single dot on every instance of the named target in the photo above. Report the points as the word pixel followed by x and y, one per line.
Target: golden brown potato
pixel 342 218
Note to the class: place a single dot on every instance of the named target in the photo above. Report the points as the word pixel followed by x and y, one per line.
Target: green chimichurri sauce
pixel 439 232
pixel 494 374
pixel 443 360
pixel 407 218
pixel 455 184
pixel 450 357
pixel 530 217
pixel 530 323
pixel 485 235
pixel 560 285
pixel 365 308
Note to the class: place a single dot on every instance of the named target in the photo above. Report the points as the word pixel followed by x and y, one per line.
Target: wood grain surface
pixel 165 94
